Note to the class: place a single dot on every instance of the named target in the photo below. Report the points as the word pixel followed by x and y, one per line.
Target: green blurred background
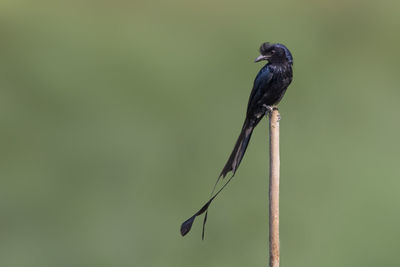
pixel 117 116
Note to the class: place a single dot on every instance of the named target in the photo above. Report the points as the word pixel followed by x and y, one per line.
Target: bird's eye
pixel 272 52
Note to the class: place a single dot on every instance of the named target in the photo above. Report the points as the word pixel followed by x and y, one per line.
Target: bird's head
pixel 274 53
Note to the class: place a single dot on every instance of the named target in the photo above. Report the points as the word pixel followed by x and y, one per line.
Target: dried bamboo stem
pixel 274 172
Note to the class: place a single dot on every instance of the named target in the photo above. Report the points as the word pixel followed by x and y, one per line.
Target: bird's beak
pixel 261 57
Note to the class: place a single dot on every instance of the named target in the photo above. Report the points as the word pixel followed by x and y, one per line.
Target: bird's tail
pixel 231 165
pixel 240 147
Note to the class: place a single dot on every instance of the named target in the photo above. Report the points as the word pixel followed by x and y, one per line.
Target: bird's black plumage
pixel 269 87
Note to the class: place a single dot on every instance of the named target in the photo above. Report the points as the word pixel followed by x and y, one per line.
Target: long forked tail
pixel 240 148
pixel 231 165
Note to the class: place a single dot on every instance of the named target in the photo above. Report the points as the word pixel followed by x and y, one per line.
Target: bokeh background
pixel 117 116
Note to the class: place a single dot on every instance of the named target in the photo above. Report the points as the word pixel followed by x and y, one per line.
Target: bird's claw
pixel 269 109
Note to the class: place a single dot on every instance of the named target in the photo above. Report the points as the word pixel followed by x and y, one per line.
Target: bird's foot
pixel 269 109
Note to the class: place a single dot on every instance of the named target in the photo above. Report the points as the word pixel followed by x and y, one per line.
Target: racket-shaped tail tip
pixel 187 225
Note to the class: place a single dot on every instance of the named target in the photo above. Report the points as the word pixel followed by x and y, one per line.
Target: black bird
pixel 269 87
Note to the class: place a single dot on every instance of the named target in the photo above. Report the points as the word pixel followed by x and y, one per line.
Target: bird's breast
pixel 282 77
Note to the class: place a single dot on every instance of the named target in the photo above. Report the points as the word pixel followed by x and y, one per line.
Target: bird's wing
pixel 261 82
